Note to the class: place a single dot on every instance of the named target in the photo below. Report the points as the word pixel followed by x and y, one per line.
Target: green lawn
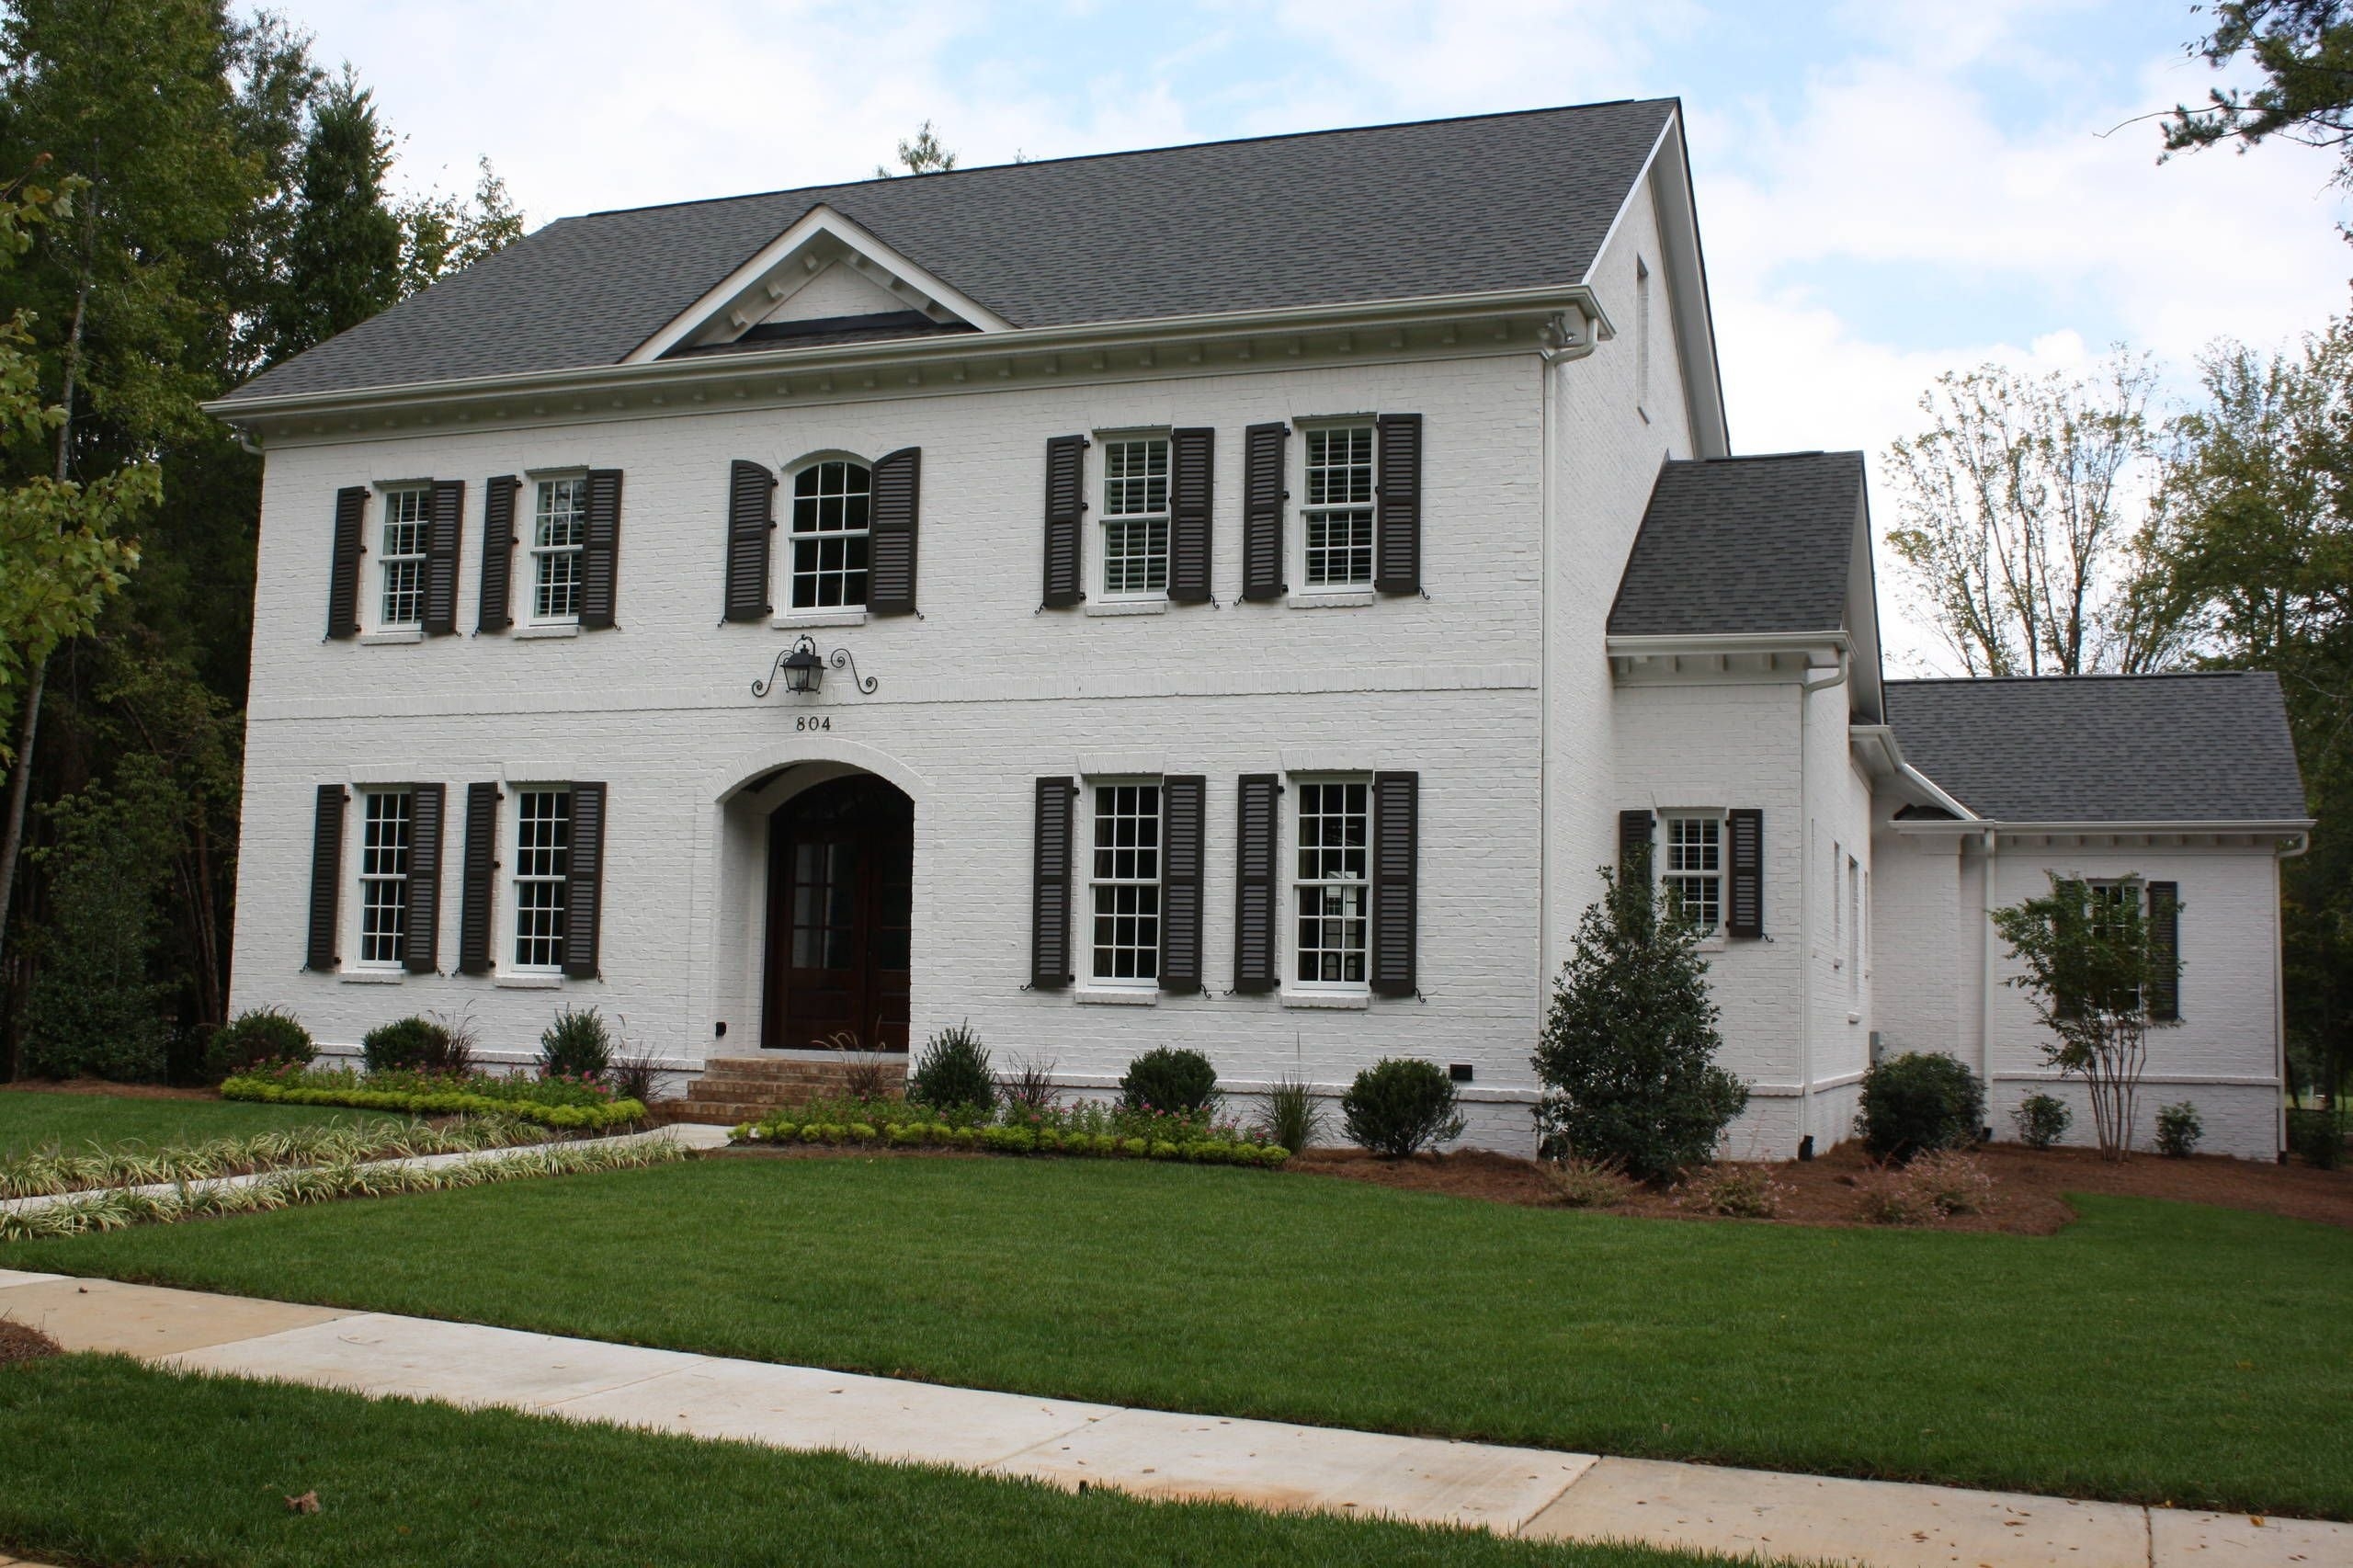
pixel 30 1118
pixel 112 1462
pixel 2150 1352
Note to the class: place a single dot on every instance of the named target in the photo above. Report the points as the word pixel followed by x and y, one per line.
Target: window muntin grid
pixel 383 875
pixel 542 861
pixel 1126 883
pixel 832 505
pixel 1135 516
pixel 558 529
pixel 1692 868
pixel 1331 889
pixel 1338 516
pixel 401 558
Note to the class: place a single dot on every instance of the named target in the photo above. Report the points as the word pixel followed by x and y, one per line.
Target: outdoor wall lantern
pixel 802 669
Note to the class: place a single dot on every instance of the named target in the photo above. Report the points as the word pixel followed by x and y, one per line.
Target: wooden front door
pixel 841 873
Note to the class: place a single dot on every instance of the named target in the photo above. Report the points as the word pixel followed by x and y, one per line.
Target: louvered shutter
pixel 584 882
pixel 343 570
pixel 497 553
pixel 1263 448
pixel 890 549
pixel 421 922
pixel 1182 801
pixel 1397 516
pixel 2164 950
pixel 1634 846
pixel 601 549
pixel 1050 886
pixel 1396 827
pixel 1745 907
pixel 326 879
pixel 480 878
pixel 1257 799
pixel 1065 506
pixel 1192 473
pixel 443 534
pixel 751 531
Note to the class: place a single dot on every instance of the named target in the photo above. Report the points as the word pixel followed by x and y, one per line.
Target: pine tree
pixel 342 261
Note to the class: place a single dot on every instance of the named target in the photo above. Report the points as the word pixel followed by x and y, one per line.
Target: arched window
pixel 832 502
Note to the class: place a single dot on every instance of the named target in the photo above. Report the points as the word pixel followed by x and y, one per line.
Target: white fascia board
pixel 1877 743
pixel 2288 827
pixel 1652 645
pixel 819 220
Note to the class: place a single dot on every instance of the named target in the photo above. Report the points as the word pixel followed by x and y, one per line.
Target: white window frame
pixel 787 596
pixel 541 555
pixel 407 565
pixel 1642 338
pixel 1310 511
pixel 1853 895
pixel 1098 884
pixel 1296 885
pixel 1662 851
pixel 1146 516
pixel 525 867
pixel 367 874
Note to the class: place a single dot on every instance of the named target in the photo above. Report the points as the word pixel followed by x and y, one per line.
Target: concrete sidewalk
pixel 1531 1492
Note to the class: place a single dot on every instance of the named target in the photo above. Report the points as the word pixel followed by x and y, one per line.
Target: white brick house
pixel 1255 584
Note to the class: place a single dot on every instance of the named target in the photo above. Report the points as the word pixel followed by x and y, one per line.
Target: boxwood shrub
pixel 1399 1104
pixel 454 1102
pixel 1168 1078
pixel 258 1037
pixel 1013 1139
pixel 1919 1102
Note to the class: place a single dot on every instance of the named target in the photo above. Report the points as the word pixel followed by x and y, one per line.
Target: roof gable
pixel 1734 546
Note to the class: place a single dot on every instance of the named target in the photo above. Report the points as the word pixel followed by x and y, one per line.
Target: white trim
pixel 1107 987
pixel 1339 998
pixel 1106 994
pixel 393 638
pixel 373 975
pixel 1331 599
pixel 854 616
pixel 1126 605
pixel 1287 849
pixel 527 629
pixel 528 980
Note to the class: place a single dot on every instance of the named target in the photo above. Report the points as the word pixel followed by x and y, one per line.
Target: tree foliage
pixel 920 155
pixel 2304 49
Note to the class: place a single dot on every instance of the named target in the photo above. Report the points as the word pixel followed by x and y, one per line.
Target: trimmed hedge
pixel 1010 1141
pixel 572 1118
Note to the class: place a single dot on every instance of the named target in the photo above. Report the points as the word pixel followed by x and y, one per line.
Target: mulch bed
pixel 2031 1185
pixel 22 1342
pixel 100 1086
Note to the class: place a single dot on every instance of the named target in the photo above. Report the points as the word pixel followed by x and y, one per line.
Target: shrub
pixel 1918 1102
pixel 635 1076
pixel 1168 1078
pixel 2317 1137
pixel 577 1045
pixel 2178 1130
pixel 1951 1182
pixel 1294 1118
pixel 258 1037
pixel 1399 1104
pixel 1739 1192
pixel 1884 1198
pixel 342 1089
pixel 1578 1183
pixel 93 1007
pixel 405 1045
pixel 1627 1056
pixel 954 1072
pixel 1030 1087
pixel 2041 1121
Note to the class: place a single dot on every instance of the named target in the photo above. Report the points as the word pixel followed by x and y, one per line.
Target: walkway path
pixel 1531 1492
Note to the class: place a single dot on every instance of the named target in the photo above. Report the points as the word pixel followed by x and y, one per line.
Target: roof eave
pixel 2260 826
pixel 1654 644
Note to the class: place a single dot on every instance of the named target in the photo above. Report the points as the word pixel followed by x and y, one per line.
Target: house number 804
pixel 813 721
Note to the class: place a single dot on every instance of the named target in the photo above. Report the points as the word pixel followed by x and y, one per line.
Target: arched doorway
pixel 841 874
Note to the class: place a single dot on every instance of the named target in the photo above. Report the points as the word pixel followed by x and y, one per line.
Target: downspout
pixel 1985 986
pixel 1570 346
pixel 2279 996
pixel 1806 688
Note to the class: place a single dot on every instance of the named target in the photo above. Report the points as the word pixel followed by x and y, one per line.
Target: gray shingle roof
pixel 1744 545
pixel 2189 747
pixel 1441 206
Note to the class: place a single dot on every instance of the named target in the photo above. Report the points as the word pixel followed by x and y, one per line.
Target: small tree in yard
pixel 1628 1053
pixel 2091 969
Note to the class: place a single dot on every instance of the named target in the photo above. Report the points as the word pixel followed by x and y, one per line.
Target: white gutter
pixel 1655 645
pixel 2109 829
pixel 1572 347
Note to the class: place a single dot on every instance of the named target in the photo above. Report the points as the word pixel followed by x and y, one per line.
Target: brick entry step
pixel 744 1088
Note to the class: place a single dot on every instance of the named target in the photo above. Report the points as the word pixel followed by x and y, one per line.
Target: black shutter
pixel 1192 473
pixel 1395 829
pixel 1065 505
pixel 1182 800
pixel 480 878
pixel 2164 950
pixel 751 529
pixel 1397 518
pixel 890 549
pixel 342 573
pixel 1744 909
pixel 601 549
pixel 1262 510
pixel 1633 846
pixel 421 923
pixel 1257 798
pixel 1050 887
pixel 326 879
pixel 584 880
pixel 441 540
pixel 497 552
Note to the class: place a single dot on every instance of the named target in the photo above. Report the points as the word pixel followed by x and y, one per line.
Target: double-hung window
pixel 1691 866
pixel 384 877
pixel 1332 885
pixel 401 558
pixel 542 862
pixel 1339 517
pixel 1135 516
pixel 1125 883
pixel 559 531
pixel 832 513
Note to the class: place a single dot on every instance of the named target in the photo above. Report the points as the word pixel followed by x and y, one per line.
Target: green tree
pixel 343 248
pixel 1628 1055
pixel 442 234
pixel 920 154
pixel 2304 48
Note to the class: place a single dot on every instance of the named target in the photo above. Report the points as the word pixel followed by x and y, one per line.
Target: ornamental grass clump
pixel 1294 1117
pixel 1576 1183
pixel 954 1071
pixel 1736 1192
pixel 46 1173
pixel 1169 1078
pixel 1401 1105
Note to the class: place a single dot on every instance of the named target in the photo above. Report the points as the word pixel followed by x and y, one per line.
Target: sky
pixel 1887 188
